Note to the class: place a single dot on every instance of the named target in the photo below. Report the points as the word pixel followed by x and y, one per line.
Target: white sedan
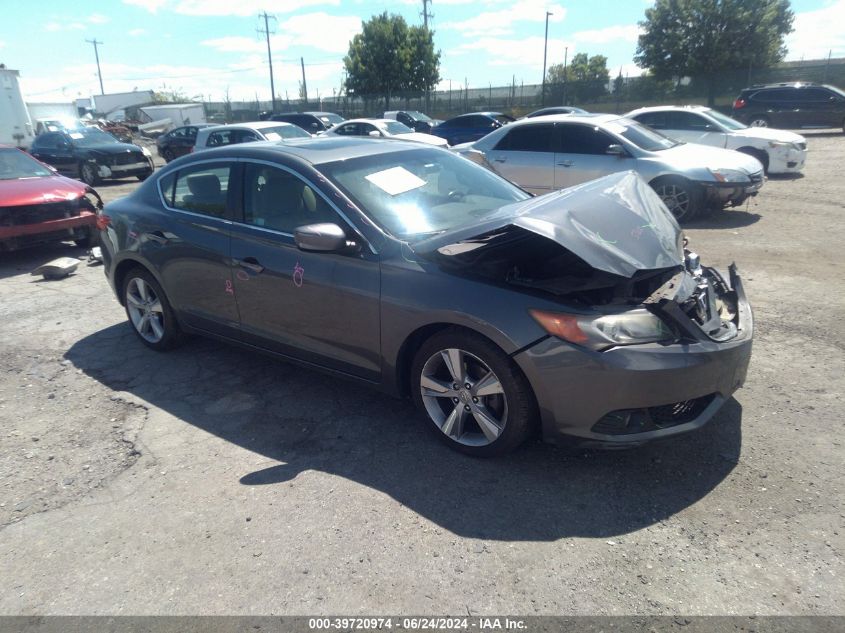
pixel 781 152
pixel 384 128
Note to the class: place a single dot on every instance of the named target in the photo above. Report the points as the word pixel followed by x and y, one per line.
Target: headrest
pixel 204 186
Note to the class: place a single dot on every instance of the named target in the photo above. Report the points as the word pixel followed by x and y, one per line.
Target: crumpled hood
pixel 770 134
pixel 28 191
pixel 617 224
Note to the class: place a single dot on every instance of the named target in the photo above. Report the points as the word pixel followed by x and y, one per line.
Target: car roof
pixel 590 117
pixel 673 108
pixel 249 125
pixel 318 113
pixel 318 150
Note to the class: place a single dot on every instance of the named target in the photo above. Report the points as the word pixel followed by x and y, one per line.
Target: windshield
pixel 89 137
pixel 416 193
pixel 640 135
pixel 330 118
pixel 283 131
pixel 394 127
pixel 503 118
pixel 418 116
pixel 728 122
pixel 14 165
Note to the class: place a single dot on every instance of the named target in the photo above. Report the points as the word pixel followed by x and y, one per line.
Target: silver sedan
pixel 547 153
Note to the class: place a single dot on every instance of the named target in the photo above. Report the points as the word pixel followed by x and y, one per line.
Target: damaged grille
pixel 36 213
pixel 127 159
pixel 628 421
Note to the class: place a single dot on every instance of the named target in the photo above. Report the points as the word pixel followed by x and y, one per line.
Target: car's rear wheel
pixel 168 155
pixel 476 399
pixel 88 174
pixel 683 198
pixel 758 120
pixel 149 311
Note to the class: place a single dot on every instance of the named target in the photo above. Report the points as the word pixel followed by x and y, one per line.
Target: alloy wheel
pixel 676 198
pixel 89 175
pixel 464 397
pixel 759 123
pixel 145 310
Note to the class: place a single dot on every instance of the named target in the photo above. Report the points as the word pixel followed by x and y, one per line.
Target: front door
pixel 321 308
pixel 691 127
pixel 189 244
pixel 581 154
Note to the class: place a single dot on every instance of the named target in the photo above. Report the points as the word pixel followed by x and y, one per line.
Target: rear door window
pixel 655 120
pixel 528 138
pixel 200 189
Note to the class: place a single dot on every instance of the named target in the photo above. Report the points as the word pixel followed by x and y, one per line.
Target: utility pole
pixel 97 57
pixel 266 32
pixel 565 55
pixel 426 14
pixel 304 85
pixel 545 50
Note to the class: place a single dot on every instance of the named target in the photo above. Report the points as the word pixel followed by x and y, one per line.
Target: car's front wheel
pixel 475 398
pixel 149 311
pixel 88 174
pixel 683 198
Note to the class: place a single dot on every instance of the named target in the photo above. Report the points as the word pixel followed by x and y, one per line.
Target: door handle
pixel 500 160
pixel 566 163
pixel 156 236
pixel 251 264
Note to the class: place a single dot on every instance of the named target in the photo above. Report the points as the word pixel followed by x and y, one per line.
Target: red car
pixel 38 205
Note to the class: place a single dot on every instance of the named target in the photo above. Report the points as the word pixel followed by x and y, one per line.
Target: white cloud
pixel 97 18
pixel 620 33
pixel 63 26
pixel 527 51
pixel 818 33
pixel 494 23
pixel 150 5
pixel 321 31
pixel 2 43
pixel 137 32
pixel 246 7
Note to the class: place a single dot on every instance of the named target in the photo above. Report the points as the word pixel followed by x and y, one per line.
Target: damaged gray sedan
pixel 579 314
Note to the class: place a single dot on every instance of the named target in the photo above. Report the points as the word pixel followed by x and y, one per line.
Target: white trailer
pixel 40 110
pixel 178 113
pixel 105 104
pixel 15 124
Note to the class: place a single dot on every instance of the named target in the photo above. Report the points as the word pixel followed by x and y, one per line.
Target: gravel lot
pixel 213 481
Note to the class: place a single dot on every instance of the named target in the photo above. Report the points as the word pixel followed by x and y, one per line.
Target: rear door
pixel 189 244
pixel 524 156
pixel 581 154
pixel 820 107
pixel 321 308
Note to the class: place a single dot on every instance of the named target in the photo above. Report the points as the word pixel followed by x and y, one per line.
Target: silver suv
pixel 546 153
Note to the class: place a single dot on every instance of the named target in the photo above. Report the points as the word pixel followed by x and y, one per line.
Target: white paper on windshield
pixel 76 135
pixel 395 180
pixel 272 136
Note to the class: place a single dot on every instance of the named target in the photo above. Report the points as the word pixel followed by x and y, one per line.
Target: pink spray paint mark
pixel 229 288
pixel 298 273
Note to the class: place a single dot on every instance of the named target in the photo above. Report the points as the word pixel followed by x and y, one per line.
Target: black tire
pixel 758 120
pixel 172 335
pixel 88 173
pixel 759 154
pixel 516 399
pixel 683 198
pixel 167 155
pixel 143 177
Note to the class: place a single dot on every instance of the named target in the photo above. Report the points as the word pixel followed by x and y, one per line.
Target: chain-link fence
pixel 619 94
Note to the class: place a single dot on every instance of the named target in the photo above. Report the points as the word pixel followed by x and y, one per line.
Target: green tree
pixel 388 57
pixel 585 80
pixel 706 38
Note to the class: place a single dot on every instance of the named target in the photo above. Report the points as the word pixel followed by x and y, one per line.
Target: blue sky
pixel 204 47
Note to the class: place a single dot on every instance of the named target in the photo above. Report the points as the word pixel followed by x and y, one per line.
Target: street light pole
pixel 545 50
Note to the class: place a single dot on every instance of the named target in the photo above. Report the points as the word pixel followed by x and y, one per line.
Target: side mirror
pixel 616 150
pixel 375 134
pixel 324 237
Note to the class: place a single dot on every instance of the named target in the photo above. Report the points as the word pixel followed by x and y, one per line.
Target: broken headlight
pixel 729 175
pixel 625 328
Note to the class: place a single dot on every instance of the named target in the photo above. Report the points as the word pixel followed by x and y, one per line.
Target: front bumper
pixel 579 390
pixel 731 193
pixel 786 160
pixel 124 171
pixel 84 219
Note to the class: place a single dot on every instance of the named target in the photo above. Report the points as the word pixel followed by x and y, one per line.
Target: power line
pixel 97 57
pixel 267 33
